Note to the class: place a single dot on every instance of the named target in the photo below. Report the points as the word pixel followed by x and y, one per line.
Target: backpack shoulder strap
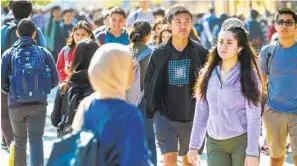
pixel 144 54
pixel 7 35
pixel 135 15
pixel 271 51
pixel 66 52
pixel 37 37
pixel 102 38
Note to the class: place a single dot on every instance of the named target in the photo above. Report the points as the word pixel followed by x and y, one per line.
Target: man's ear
pixel 17 33
pixel 34 35
pixel 240 49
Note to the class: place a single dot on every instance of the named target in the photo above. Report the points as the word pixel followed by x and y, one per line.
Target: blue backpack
pixel 30 78
pixel 80 148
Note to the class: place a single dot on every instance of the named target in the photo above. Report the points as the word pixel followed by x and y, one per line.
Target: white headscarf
pixel 111 71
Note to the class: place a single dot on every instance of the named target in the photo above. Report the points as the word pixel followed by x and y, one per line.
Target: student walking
pixel 139 37
pixel 81 30
pixel 121 132
pixel 230 74
pixel 20 9
pixel 168 86
pixel 116 32
pixel 75 88
pixel 28 73
pixel 278 68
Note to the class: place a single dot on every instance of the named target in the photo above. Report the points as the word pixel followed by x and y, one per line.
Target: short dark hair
pixel 159 12
pixel 175 11
pixel 212 10
pixel 21 9
pixel 118 10
pixel 106 14
pixel 26 27
pixel 66 11
pixel 289 11
pixel 254 14
pixel 56 8
pixel 99 21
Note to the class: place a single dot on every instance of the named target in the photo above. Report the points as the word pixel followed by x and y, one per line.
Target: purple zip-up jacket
pixel 226 113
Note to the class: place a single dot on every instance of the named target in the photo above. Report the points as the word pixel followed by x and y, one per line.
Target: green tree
pixel 35 2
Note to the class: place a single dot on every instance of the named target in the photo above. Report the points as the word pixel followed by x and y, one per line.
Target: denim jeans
pixel 149 132
pixel 31 120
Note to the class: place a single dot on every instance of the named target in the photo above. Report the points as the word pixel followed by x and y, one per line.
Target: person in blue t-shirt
pixel 121 133
pixel 143 13
pixel 116 33
pixel 279 68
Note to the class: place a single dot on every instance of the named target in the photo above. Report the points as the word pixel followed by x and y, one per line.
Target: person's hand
pixel 251 161
pixel 193 157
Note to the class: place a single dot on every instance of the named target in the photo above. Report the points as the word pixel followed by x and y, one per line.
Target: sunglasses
pixel 286 23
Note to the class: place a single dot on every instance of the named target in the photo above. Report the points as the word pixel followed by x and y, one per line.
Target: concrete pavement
pixel 50 135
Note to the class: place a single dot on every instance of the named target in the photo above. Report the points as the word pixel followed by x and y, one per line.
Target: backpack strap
pixel 66 52
pixel 7 35
pixel 135 16
pixel 144 54
pixel 271 51
pixel 37 37
pixel 102 38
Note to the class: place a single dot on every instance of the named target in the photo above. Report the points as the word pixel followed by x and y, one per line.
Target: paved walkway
pixel 50 135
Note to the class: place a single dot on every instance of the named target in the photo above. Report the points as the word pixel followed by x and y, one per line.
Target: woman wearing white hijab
pixel 121 131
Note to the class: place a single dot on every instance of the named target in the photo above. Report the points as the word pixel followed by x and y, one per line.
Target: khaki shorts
pixel 278 126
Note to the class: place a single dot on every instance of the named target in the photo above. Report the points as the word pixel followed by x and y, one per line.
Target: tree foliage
pixel 35 2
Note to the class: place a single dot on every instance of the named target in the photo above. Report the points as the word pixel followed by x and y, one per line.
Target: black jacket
pixel 154 81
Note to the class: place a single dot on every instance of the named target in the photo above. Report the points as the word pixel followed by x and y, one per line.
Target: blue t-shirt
pixel 109 38
pixel 139 15
pixel 282 89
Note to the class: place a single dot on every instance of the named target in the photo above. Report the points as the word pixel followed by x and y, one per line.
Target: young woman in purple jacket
pixel 228 104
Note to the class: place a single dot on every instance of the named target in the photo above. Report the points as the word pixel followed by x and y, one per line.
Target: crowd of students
pixel 149 71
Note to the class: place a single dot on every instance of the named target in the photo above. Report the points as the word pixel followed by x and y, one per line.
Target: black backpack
pixel 73 95
pixel 11 37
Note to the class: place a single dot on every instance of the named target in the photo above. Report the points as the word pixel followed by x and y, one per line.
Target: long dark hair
pixel 165 29
pixel 140 30
pixel 80 24
pixel 83 54
pixel 247 58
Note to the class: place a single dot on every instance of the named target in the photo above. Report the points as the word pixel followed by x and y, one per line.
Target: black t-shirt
pixel 178 102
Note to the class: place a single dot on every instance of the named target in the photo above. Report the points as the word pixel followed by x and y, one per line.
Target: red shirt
pixel 271 30
pixel 61 63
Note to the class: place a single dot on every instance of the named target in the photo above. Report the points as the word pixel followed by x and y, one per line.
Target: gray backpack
pixel 135 94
